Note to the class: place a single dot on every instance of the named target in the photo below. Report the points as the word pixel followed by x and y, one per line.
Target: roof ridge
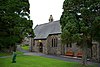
pixel 46 23
pixel 47 28
pixel 35 26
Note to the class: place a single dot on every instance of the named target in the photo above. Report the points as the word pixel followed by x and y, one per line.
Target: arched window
pixel 54 42
pixel 70 45
pixel 67 45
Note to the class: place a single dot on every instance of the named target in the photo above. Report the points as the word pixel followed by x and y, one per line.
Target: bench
pixel 69 53
pixel 79 54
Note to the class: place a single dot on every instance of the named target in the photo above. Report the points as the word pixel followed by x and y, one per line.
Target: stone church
pixel 47 40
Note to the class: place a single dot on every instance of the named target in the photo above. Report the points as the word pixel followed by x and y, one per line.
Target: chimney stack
pixel 50 18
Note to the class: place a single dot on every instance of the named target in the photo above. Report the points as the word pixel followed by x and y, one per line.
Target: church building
pixel 47 40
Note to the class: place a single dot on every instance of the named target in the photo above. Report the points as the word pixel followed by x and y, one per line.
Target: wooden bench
pixel 79 54
pixel 69 53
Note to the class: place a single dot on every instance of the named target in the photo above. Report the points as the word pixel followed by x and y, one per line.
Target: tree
pixel 14 21
pixel 80 23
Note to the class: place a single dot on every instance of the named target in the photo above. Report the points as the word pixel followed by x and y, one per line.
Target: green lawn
pixel 19 53
pixel 8 54
pixel 25 47
pixel 35 61
pixel 5 54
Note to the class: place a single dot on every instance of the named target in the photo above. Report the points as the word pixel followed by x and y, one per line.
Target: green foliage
pixel 96 28
pixel 80 17
pixel 80 23
pixel 15 21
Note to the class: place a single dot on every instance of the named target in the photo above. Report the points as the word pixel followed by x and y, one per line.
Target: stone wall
pixel 75 49
pixel 96 51
pixel 31 44
pixel 37 43
pixel 54 50
pixel 62 49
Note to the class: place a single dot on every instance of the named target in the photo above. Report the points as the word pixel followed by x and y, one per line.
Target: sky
pixel 40 10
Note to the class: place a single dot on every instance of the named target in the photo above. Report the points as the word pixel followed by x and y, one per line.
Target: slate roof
pixel 44 30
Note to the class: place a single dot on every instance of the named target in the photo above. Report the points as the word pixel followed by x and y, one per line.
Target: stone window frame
pixel 54 42
pixel 69 45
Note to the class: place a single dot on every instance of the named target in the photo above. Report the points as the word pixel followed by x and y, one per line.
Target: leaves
pixel 80 23
pixel 80 17
pixel 96 29
pixel 14 21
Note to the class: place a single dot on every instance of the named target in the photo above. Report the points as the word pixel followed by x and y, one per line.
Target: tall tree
pixel 14 21
pixel 80 23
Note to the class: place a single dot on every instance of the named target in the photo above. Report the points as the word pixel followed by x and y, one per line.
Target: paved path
pixel 5 56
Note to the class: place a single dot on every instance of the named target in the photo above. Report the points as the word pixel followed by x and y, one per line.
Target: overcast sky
pixel 40 10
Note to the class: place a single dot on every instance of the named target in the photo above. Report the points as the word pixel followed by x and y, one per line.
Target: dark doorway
pixel 41 47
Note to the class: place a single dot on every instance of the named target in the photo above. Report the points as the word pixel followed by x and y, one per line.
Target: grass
pixel 36 61
pixel 5 54
pixel 8 54
pixel 19 53
pixel 25 47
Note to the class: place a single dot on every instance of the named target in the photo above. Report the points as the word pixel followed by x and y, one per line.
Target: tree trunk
pixel 84 57
pixel 14 48
pixel 99 53
pixel 10 49
pixel 91 52
pixel 0 48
